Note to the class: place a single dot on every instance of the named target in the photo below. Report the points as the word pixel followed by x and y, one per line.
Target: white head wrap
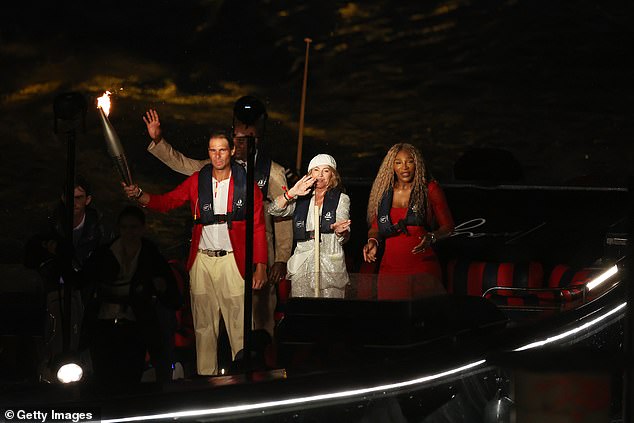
pixel 321 160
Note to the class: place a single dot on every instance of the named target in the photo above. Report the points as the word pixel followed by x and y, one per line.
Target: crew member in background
pixel 59 263
pixel 134 303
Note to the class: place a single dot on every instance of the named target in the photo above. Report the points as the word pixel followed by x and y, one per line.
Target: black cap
pixel 248 110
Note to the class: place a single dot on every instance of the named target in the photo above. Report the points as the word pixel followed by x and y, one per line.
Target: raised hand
pixel 153 124
pixel 302 187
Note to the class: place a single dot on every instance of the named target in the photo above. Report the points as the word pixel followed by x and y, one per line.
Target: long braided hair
pixel 385 180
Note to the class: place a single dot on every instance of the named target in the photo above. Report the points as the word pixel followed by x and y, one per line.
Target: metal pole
pixel 69 247
pixel 628 374
pixel 70 113
pixel 302 109
pixel 248 272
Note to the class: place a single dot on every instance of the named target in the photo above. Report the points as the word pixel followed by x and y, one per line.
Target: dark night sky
pixel 550 82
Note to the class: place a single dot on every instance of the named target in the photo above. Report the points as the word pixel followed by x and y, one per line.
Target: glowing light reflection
pixel 300 400
pixel 571 332
pixel 602 277
pixel 361 391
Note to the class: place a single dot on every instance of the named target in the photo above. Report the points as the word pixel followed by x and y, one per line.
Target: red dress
pixel 398 259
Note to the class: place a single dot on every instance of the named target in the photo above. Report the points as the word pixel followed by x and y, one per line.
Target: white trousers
pixel 217 288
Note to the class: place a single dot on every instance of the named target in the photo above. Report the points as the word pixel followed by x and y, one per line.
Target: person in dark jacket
pixel 48 246
pixel 134 286
pixel 59 262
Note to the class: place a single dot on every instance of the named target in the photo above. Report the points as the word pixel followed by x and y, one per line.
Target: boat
pixel 534 284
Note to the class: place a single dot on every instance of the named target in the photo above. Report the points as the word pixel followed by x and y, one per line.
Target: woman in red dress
pixel 408 213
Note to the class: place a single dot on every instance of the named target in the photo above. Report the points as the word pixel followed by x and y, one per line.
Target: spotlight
pixel 68 368
pixel 69 373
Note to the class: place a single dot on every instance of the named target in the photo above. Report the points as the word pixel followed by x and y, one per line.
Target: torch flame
pixel 103 102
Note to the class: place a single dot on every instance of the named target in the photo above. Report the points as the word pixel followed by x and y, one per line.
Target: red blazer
pixel 188 191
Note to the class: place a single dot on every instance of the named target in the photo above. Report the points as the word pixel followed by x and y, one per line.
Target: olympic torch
pixel 115 149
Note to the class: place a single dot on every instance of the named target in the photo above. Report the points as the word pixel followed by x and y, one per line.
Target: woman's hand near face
pixel 302 187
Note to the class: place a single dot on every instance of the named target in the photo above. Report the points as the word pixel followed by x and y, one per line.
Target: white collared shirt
pixel 243 163
pixel 216 237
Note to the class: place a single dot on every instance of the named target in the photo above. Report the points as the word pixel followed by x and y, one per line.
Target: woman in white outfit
pixel 320 188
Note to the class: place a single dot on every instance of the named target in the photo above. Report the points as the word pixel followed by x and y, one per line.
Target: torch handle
pixel 121 164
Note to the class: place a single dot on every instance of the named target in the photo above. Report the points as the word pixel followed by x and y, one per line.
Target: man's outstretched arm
pixel 163 151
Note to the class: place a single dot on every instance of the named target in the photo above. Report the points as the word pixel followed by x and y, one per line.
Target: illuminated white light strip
pixel 572 331
pixel 602 277
pixel 351 393
pixel 301 400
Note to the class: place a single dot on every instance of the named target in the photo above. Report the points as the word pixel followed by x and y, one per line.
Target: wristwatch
pixel 432 238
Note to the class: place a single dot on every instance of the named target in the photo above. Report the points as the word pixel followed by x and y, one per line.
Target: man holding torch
pixel 249 121
pixel 216 263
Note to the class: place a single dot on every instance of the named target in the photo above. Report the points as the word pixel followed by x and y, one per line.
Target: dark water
pixel 551 82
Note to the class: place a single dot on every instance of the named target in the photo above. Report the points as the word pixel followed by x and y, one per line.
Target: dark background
pixel 548 81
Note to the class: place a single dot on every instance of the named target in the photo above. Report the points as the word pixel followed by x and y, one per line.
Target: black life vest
pixel 261 172
pixel 414 217
pixel 206 202
pixel 328 214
